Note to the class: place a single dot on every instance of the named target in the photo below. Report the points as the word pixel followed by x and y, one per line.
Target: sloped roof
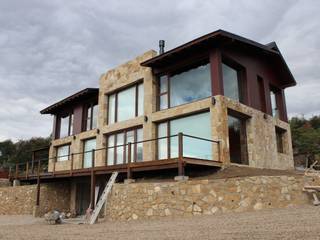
pixel 214 39
pixel 81 95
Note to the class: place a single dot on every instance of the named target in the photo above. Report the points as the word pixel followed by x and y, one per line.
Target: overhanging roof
pixel 81 95
pixel 214 39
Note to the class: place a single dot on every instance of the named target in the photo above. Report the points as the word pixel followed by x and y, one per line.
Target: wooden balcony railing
pixel 183 149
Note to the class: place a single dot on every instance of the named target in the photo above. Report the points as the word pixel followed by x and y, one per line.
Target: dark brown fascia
pixel 69 100
pixel 270 48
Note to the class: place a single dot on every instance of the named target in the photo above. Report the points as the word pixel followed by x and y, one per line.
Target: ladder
pixel 103 198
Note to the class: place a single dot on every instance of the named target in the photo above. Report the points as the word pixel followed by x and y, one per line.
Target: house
pixel 214 101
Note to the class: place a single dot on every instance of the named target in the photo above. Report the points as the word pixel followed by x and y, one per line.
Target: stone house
pixel 214 101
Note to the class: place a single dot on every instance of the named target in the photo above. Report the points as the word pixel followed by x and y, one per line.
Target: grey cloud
pixel 50 49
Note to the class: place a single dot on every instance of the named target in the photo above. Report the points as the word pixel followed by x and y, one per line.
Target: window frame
pixel 83 149
pixel 86 117
pixel 204 60
pixel 124 131
pixel 168 124
pixel 280 134
pixel 241 77
pixel 56 150
pixel 116 93
pixel 277 93
pixel 70 117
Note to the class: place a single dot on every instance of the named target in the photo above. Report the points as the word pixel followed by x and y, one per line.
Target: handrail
pixel 180 141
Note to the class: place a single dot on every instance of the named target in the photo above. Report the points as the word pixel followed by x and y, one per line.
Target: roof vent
pixel 161 46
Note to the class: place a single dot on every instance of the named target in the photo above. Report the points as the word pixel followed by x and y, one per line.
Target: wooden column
pixel 93 181
pixel 180 156
pixel 38 185
pixel 129 161
pixel 216 72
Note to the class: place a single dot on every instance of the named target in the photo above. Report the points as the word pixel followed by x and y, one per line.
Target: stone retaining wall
pixel 22 199
pixel 197 197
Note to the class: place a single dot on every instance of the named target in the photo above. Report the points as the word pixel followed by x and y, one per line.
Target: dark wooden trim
pixel 216 72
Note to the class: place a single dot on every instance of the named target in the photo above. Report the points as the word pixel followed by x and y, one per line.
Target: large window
pixel 126 104
pixel 279 138
pixel 88 146
pixel 196 125
pixel 274 102
pixel 231 82
pixel 184 86
pixel 117 152
pixel 237 140
pixel 63 153
pixel 91 117
pixel 66 125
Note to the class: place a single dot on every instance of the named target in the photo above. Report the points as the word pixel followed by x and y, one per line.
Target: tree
pixel 21 151
pixel 306 136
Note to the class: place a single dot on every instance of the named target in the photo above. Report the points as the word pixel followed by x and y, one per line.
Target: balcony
pixel 184 150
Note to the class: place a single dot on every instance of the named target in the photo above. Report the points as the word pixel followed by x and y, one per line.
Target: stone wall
pixel 198 197
pixel 22 199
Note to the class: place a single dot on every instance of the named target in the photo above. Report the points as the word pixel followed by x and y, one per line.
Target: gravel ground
pixel 291 223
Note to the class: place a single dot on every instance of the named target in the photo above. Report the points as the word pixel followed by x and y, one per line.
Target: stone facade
pixel 205 197
pixel 22 199
pixel 260 128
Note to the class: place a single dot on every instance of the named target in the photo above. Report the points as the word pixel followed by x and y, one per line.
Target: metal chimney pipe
pixel 161 46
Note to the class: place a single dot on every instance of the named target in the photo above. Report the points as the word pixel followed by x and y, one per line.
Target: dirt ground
pixel 291 223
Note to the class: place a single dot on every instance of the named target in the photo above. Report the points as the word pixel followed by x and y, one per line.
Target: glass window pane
pixel 275 111
pixel 119 150
pixel 230 82
pixel 88 127
pixel 164 101
pixel 163 84
pixel 126 104
pixel 71 124
pixel 62 153
pixel 140 99
pixel 87 156
pixel 130 138
pixel 190 85
pixel 162 143
pixel 94 116
pixel 110 150
pixel 64 126
pixel 111 110
pixel 192 147
pixel 139 156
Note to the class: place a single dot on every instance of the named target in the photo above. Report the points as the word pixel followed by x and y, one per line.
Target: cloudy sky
pixel 51 49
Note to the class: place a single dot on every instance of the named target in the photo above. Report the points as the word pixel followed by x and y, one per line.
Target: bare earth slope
pixel 291 223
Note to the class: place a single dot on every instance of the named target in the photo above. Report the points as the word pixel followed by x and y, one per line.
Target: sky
pixel 51 49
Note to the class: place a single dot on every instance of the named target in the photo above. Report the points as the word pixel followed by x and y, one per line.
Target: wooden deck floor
pixel 121 168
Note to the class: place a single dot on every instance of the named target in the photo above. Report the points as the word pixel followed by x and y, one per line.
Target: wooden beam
pixel 180 156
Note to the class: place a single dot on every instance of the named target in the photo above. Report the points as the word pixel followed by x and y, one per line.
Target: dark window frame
pixel 124 131
pixel 277 93
pixel 280 134
pixel 203 60
pixel 70 115
pixel 241 77
pixel 116 92
pixel 86 117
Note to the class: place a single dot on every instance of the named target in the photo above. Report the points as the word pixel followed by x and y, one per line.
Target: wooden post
pixel 32 162
pixel 180 156
pixel 54 166
pixel 93 181
pixel 38 185
pixel 71 164
pixel 129 161
pixel 27 170
pixel 17 169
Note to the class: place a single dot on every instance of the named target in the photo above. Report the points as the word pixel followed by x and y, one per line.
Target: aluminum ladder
pixel 103 198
